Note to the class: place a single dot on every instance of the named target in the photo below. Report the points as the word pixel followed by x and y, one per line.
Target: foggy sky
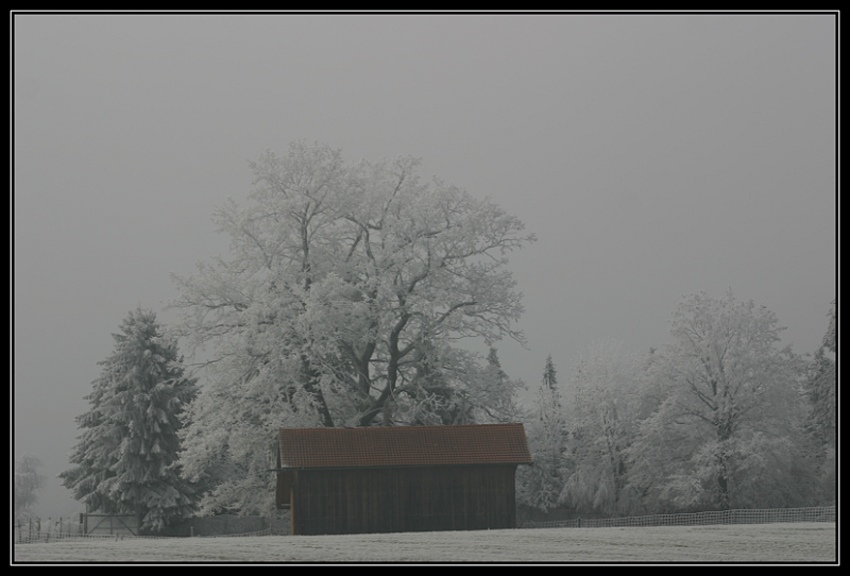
pixel 653 155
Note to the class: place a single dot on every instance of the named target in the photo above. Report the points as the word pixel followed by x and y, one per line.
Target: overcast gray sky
pixel 654 155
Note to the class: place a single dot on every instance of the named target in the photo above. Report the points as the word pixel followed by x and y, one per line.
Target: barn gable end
pixel 396 479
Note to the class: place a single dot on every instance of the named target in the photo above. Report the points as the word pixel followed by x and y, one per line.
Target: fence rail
pixel 36 530
pixel 264 532
pixel 738 516
pixel 40 530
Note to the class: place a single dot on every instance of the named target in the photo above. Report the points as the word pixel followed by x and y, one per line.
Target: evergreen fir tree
pixel 543 482
pixel 502 393
pixel 821 421
pixel 821 386
pixel 125 460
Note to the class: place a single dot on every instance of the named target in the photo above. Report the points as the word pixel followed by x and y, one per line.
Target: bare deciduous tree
pixel 28 481
pixel 722 435
pixel 345 295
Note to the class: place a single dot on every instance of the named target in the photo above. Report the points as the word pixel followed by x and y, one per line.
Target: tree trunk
pixel 724 433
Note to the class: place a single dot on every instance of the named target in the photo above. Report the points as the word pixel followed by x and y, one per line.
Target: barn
pixel 400 478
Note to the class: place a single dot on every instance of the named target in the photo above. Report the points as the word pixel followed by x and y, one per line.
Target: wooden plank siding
pixel 351 501
pixel 400 479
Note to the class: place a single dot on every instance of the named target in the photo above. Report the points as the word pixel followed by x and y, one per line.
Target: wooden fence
pixel 737 516
pixel 120 526
pixel 38 530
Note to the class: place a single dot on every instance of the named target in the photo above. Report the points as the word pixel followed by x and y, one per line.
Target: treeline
pixel 721 418
pixel 346 299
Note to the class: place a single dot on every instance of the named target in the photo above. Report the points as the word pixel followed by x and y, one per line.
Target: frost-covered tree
pixel 606 386
pixel 28 481
pixel 541 484
pixel 126 457
pixel 501 393
pixel 821 385
pixel 725 431
pixel 345 295
pixel 820 390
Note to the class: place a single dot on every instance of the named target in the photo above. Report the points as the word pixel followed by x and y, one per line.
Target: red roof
pixel 403 446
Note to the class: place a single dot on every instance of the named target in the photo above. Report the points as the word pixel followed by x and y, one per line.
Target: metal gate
pixel 111 524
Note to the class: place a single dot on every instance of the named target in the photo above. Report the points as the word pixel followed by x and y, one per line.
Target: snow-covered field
pixel 770 543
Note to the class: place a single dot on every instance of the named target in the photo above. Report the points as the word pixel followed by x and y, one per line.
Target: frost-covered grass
pixel 769 543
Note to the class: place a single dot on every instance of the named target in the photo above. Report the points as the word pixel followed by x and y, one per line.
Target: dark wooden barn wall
pixel 404 499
